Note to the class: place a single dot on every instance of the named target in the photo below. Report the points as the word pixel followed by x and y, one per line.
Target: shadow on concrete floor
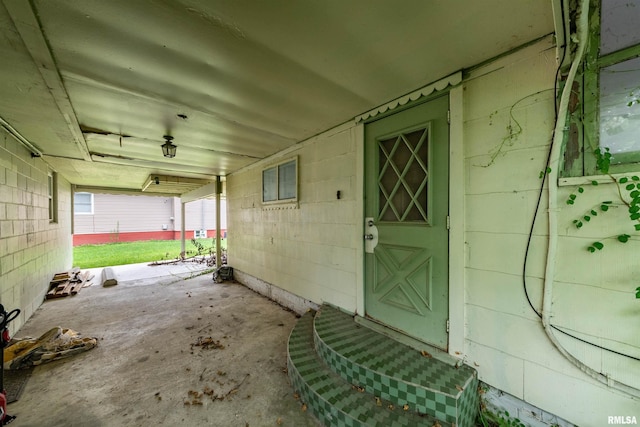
pixel 147 369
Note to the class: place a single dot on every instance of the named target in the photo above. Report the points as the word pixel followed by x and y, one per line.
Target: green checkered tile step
pixel 333 401
pixel 394 371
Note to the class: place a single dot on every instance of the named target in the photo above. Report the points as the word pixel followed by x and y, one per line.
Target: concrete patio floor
pixel 146 370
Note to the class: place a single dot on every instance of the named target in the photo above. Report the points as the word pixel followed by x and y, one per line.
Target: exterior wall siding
pixel 314 250
pixel 127 218
pixel 32 248
pixel 120 213
pixel 201 214
pixel 508 124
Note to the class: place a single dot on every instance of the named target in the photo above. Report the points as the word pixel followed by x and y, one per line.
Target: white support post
pixel 218 242
pixel 183 232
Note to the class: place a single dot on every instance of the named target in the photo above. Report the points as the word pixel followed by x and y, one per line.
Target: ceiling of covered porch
pixel 93 86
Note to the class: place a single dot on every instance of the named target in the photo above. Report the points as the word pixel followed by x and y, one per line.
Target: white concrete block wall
pixel 32 248
pixel 505 339
pixel 310 249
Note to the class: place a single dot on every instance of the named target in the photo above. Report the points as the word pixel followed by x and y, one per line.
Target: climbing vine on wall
pixel 628 191
pixel 628 195
pixel 514 129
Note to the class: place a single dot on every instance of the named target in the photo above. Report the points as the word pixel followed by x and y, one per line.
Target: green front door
pixel 406 210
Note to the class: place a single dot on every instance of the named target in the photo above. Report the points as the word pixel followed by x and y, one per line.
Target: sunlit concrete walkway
pixel 148 369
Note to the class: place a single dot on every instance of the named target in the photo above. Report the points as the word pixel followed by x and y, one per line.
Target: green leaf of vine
pixel 635 178
pixel 638 292
pixel 623 180
pixel 604 207
pixel 594 182
pixel 630 187
pixel 623 238
pixel 594 213
pixel 598 245
pixel 637 227
pixel 634 216
pixel 591 249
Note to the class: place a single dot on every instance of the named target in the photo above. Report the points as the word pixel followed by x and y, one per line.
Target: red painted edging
pixel 101 238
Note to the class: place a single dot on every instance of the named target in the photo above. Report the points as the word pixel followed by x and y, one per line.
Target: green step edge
pixel 333 401
pixel 394 371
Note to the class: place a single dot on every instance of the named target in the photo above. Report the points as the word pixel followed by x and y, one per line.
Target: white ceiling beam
pixel 28 25
pixel 201 193
pixel 176 183
pixel 177 169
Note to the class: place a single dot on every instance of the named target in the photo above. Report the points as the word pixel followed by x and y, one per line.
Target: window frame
pixel 52 196
pixel 75 204
pixel 277 168
pixel 584 122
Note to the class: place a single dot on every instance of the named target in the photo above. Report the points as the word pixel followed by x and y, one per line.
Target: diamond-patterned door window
pixel 403 177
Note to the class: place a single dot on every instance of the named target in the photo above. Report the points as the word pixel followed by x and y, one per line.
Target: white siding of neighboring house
pixel 121 213
pixel 32 248
pixel 315 250
pixel 201 214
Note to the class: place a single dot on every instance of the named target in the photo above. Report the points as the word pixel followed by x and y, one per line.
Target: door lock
pixel 370 236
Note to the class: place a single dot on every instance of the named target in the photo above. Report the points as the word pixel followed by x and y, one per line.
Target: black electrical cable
pixel 535 213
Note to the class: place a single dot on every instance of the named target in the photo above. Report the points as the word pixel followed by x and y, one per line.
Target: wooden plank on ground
pixel 59 278
pixel 65 284
pixel 58 291
pixel 51 293
pixel 77 286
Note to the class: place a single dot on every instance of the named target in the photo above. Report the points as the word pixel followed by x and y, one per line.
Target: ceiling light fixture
pixel 168 149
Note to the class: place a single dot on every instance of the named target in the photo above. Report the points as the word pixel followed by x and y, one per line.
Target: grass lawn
pixel 90 256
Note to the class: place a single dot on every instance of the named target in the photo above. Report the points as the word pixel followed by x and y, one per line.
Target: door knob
pixel 371 235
